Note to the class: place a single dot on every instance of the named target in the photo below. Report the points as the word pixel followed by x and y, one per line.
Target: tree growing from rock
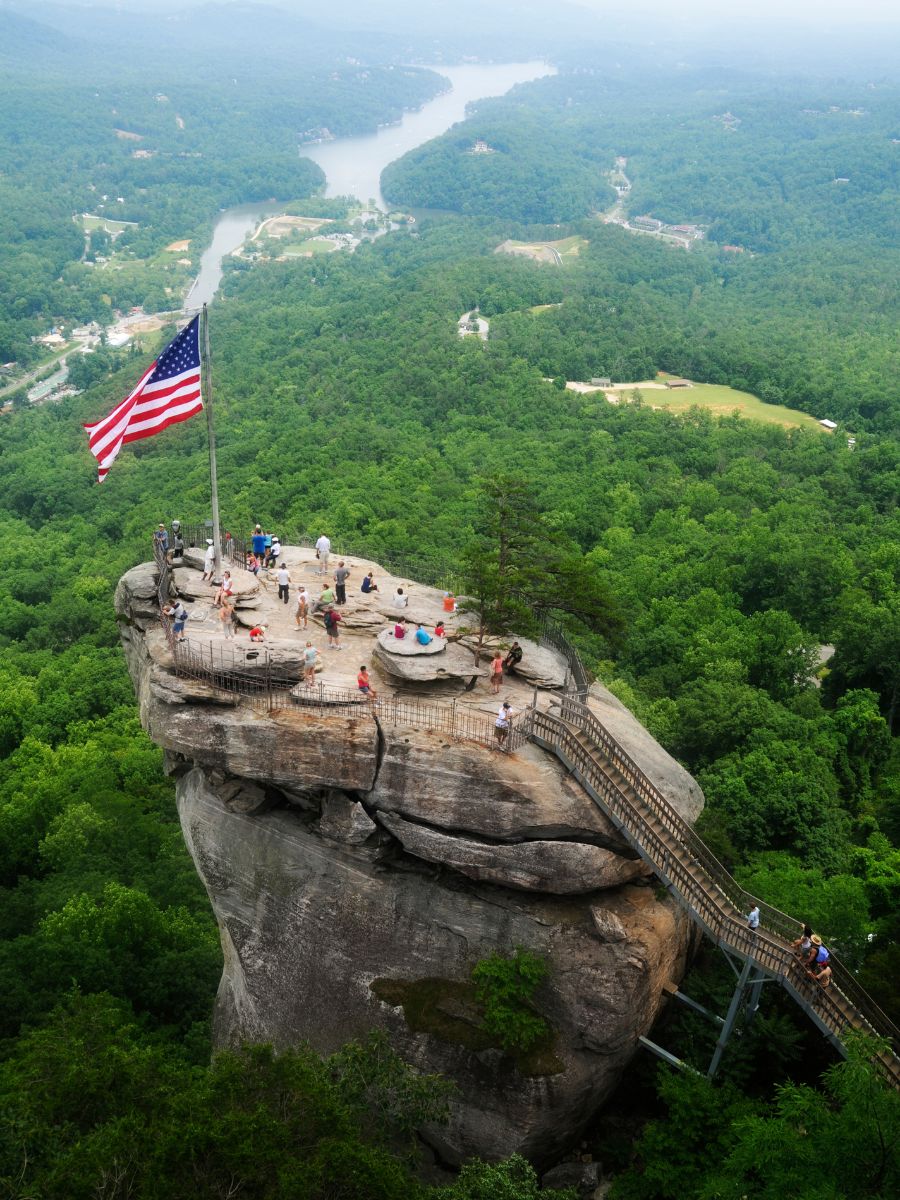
pixel 517 568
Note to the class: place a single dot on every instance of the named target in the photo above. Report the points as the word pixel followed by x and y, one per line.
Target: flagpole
pixel 207 403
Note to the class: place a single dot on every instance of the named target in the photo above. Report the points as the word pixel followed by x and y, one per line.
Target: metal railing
pixel 712 897
pixel 252 675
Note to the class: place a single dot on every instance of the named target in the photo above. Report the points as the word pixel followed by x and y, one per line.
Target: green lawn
pixel 90 222
pixel 722 401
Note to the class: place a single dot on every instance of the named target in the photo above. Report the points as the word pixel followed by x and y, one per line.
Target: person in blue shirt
pixel 258 543
pixel 422 637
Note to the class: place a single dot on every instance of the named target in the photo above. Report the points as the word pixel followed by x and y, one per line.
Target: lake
pixel 353 165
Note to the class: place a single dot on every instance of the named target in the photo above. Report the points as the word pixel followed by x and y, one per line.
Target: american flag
pixel 168 392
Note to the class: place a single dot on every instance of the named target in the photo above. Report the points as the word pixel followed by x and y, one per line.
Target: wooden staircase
pixel 694 877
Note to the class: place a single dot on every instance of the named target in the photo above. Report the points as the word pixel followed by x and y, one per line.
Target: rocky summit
pixel 361 857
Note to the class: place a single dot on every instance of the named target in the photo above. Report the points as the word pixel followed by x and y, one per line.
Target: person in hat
pixel 502 724
pixel 258 633
pixel 161 538
pixel 177 551
pixel 819 954
pixel 209 561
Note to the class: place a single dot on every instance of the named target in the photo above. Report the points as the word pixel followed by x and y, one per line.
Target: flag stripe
pixel 167 393
pixel 136 432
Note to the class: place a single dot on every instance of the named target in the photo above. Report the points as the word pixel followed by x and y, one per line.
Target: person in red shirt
pixel 365 684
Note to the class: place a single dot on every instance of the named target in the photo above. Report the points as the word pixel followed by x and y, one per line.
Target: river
pixel 353 165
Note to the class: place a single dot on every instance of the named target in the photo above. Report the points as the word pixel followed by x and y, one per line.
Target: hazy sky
pixel 815 12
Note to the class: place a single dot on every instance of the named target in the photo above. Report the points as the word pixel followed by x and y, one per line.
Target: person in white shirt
pixel 302 613
pixel 323 550
pixel 502 724
pixel 401 600
pixel 226 588
pixel 209 561
pixel 284 582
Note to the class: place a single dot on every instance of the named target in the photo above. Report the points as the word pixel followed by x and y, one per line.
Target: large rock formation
pixel 359 868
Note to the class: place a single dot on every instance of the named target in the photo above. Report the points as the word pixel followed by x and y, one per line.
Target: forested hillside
pixel 346 401
pixel 163 153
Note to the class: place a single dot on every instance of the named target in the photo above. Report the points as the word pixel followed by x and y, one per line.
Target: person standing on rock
pixel 258 544
pixel 310 658
pixel 323 550
pixel 161 539
pixel 340 582
pixel 496 672
pixel 226 616
pixel 209 561
pixel 179 615
pixel 176 554
pixel 283 576
pixel 332 628
pixel 503 722
pixel 302 613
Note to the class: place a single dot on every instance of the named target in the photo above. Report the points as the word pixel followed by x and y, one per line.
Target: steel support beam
pixel 665 1055
pixel 728 1026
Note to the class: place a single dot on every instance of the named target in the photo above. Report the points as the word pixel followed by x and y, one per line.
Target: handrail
pixel 658 832
pixel 270 686
pixel 714 899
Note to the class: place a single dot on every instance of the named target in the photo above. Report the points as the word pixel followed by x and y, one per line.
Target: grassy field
pixel 722 401
pixel 302 249
pixel 552 252
pixel 90 222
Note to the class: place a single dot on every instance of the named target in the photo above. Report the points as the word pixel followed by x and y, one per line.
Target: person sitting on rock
pixel 253 564
pixel 226 588
pixel 449 602
pixel 365 684
pixel 258 633
pixel 400 629
pixel 439 630
pixel 423 637
pixel 513 658
pixel 401 599
pixel 325 600
pixel 368 584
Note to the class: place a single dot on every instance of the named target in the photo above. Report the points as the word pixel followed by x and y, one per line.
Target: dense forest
pixel 347 401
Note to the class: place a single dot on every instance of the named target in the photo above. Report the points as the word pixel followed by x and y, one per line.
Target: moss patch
pixel 449 1010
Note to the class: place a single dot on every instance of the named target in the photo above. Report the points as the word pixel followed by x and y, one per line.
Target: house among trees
pixel 678 383
pixel 481 147
pixel 647 223
pixel 826 424
pixel 601 381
